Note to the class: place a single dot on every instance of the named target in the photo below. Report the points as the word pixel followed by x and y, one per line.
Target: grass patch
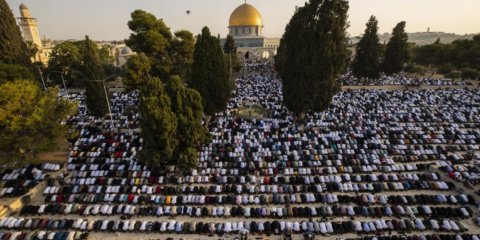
pixel 255 112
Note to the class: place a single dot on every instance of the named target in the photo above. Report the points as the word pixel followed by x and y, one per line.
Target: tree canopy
pixel 67 58
pixel 137 70
pixel 368 52
pixel 230 49
pixel 96 98
pixel 11 72
pixel 182 45
pixel 171 123
pixel 461 55
pixel 312 54
pixel 32 51
pixel 209 74
pixel 187 106
pixel 396 53
pixel 170 54
pixel 30 118
pixel 158 123
pixel 171 113
pixel 13 49
pixel 229 46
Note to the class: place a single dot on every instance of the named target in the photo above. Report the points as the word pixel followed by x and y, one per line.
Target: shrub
pixel 445 69
pixel 453 74
pixel 414 68
pixel 470 73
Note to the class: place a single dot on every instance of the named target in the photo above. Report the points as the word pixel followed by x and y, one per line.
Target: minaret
pixel 29 27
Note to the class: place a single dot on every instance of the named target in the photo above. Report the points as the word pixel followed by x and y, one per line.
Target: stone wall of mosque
pixel 246 31
pixel 260 47
pixel 271 43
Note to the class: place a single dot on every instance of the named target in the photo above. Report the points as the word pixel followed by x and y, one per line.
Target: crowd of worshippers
pixel 365 165
pixel 422 237
pixel 42 234
pixel 227 227
pixel 395 209
pixel 17 182
pixel 399 79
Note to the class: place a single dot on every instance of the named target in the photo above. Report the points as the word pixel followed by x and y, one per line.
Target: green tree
pixel 457 55
pixel 470 73
pixel 312 54
pixel 107 61
pixel 170 112
pixel 32 51
pixel 30 118
pixel 170 54
pixel 229 46
pixel 428 54
pixel 137 70
pixel 230 50
pixel 66 58
pixel 91 60
pixel 453 74
pixel 187 106
pixel 182 46
pixel 96 98
pixel 11 72
pixel 368 52
pixel 209 75
pixel 152 37
pixel 396 53
pixel 158 124
pixel 13 49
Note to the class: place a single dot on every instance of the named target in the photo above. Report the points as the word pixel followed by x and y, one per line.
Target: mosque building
pixel 247 29
pixel 30 33
pixel 29 27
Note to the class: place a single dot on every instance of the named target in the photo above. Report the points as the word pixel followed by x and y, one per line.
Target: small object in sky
pixel 188 12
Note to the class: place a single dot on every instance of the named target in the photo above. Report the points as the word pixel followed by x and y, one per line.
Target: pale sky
pixel 107 19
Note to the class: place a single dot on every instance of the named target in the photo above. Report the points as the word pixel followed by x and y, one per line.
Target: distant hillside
pixel 423 38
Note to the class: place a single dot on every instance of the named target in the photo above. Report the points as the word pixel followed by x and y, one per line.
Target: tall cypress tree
pixel 209 75
pixel 13 49
pixel 230 49
pixel 96 98
pixel 368 52
pixel 187 106
pixel 182 46
pixel 312 54
pixel 158 123
pixel 396 53
pixel 229 46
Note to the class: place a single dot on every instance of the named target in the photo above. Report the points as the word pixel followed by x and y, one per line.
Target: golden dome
pixel 245 15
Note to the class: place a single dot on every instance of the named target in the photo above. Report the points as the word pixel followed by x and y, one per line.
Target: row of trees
pixel 371 58
pixel 171 112
pixel 459 58
pixel 68 59
pixel 30 117
pixel 456 59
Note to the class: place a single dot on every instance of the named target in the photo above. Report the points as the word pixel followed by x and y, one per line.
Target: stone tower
pixel 30 29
